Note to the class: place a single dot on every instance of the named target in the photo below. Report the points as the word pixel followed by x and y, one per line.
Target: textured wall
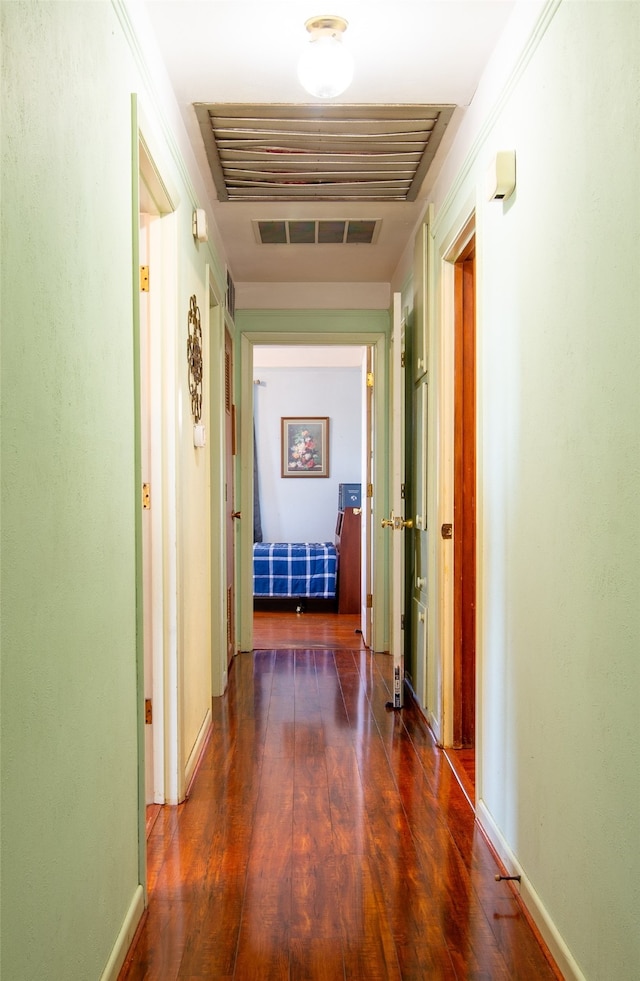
pixel 70 491
pixel 69 743
pixel 559 477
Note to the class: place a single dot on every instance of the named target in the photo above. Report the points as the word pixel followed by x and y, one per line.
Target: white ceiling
pixel 407 53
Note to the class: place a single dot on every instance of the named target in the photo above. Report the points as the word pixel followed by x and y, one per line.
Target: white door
pixel 396 522
pixel 145 459
pixel 150 354
pixel 366 605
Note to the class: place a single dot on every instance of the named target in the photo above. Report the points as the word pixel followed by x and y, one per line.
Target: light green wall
pixel 70 811
pixel 561 484
pixel 312 321
pixel 69 744
pixel 558 322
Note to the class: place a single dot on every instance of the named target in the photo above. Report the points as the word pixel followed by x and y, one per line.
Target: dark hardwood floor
pixel 463 764
pixel 325 838
pixel 285 631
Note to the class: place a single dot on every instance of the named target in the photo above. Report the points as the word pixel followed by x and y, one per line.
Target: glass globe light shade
pixel 325 68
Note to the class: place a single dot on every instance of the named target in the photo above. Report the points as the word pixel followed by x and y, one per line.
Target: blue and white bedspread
pixel 294 569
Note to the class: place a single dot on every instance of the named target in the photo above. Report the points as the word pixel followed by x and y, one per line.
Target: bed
pixel 294 571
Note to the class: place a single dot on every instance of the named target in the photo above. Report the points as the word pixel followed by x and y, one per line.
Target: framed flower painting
pixel 305 446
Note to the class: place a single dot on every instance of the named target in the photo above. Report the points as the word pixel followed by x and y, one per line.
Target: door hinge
pixel 144 279
pixel 146 497
pixel 369 379
pixel 403 492
pixel 402 621
pixel 402 360
pixel 369 490
pixel 148 712
pixel 369 601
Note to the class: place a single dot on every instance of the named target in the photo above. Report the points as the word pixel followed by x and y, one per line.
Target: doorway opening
pixel 372 332
pixel 158 725
pixel 308 498
pixel 462 752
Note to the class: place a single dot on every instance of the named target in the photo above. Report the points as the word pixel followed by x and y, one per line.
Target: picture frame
pixel 305 446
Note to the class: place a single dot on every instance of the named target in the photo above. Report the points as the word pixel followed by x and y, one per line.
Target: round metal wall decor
pixel 194 358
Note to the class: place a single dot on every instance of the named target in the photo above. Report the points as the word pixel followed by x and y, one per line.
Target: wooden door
pixel 231 514
pixel 464 503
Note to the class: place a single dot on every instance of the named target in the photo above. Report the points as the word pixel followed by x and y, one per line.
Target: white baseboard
pixel 530 898
pixel 125 936
pixel 196 751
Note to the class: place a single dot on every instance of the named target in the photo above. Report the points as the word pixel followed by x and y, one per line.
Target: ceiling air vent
pixel 317 232
pixel 320 153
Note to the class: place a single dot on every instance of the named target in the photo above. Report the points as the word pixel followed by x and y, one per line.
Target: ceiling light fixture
pixel 325 68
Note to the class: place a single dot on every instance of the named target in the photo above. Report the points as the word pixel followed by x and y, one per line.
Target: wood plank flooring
pixel 290 631
pixel 325 839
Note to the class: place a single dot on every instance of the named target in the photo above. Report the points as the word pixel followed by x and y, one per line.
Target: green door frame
pixel 332 328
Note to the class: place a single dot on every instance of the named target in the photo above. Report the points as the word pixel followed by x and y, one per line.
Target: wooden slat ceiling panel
pixel 338 171
pixel 327 183
pixel 229 157
pixel 305 125
pixel 322 192
pixel 320 152
pixel 310 136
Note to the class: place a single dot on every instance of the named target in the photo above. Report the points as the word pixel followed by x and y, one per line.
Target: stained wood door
pixel 464 504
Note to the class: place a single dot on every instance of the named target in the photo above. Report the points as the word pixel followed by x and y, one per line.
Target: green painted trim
pixel 315 327
pixel 313 323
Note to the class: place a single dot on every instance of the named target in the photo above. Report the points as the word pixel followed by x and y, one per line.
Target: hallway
pixel 325 838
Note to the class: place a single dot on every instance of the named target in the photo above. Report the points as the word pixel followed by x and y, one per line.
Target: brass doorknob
pixel 236 514
pixel 387 522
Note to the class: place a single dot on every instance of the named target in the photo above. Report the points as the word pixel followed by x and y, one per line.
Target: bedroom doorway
pixel 370 331
pixel 324 385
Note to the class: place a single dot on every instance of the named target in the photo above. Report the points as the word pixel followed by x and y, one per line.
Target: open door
pixel 152 206
pixel 147 529
pixel 231 514
pixel 366 606
pixel 396 522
